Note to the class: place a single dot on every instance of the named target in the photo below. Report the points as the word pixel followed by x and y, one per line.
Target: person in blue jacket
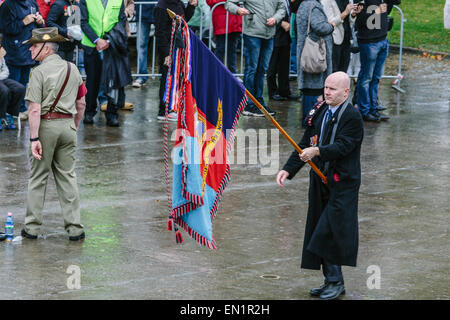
pixel 17 19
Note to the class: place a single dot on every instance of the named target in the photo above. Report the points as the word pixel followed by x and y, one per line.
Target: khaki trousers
pixel 59 140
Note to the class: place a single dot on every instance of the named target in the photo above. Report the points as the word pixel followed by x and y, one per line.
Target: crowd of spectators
pixel 274 33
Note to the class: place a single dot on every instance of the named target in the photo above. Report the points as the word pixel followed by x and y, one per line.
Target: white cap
pixel 9 214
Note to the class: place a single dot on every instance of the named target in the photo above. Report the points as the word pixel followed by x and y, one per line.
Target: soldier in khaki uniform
pixel 56 106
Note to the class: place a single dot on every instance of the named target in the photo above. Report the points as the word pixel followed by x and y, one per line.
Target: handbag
pixel 390 23
pixel 354 47
pixel 314 54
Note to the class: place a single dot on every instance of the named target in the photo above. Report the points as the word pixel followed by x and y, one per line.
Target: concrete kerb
pixel 396 48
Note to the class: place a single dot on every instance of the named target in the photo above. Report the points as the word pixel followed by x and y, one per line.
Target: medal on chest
pixel 313 141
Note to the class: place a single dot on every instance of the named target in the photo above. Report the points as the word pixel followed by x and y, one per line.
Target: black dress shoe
pixel 316 292
pixel 381 108
pixel 113 123
pixel 277 97
pixel 88 119
pixel 333 291
pixel 77 238
pixel 27 235
pixel 381 116
pixel 293 97
pixel 371 118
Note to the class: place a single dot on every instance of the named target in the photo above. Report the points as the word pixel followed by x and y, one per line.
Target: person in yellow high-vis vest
pixel 97 18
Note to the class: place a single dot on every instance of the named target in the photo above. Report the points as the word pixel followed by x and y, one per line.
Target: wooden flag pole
pixel 284 133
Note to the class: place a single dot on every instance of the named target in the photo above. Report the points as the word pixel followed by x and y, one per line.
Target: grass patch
pixel 424 27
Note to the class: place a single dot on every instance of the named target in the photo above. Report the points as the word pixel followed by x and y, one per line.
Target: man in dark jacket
pixel 17 19
pixel 163 26
pixel 332 141
pixel 60 11
pixel 372 28
pixel 97 18
pixel 145 19
pixel 280 61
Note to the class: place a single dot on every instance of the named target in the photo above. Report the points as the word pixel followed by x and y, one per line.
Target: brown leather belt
pixel 56 115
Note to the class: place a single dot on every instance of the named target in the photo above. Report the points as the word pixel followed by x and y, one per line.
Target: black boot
pixel 112 119
pixel 333 291
pixel 88 118
pixel 315 292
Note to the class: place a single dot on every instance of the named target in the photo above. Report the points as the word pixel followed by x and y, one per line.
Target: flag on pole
pixel 209 101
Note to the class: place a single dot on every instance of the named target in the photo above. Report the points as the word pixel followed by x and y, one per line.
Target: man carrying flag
pixel 332 141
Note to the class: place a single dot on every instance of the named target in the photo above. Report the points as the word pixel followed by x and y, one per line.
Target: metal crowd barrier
pixel 138 34
pixel 396 84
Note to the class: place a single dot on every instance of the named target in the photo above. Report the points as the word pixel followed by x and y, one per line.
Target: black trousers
pixel 279 65
pixel 332 272
pixel 341 56
pixel 11 95
pixel 116 99
pixel 163 69
pixel 93 68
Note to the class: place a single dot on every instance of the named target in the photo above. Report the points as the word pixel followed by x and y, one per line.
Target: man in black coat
pixel 332 141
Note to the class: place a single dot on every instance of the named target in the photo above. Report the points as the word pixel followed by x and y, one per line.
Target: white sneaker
pixel 23 115
pixel 172 116
pixel 137 84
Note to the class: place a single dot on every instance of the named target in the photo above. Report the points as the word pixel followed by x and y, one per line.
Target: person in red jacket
pixel 44 7
pixel 219 19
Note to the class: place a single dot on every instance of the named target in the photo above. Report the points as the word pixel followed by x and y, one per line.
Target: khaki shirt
pixel 46 81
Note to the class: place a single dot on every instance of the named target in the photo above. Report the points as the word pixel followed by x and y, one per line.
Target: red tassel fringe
pixel 170 224
pixel 178 236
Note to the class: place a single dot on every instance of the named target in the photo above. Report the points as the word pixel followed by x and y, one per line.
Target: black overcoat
pixel 116 70
pixel 331 231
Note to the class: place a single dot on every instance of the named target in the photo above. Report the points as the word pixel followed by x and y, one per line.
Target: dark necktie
pixel 326 125
pixel 105 2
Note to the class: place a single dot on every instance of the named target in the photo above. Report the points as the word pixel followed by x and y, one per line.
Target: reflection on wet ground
pixel 128 253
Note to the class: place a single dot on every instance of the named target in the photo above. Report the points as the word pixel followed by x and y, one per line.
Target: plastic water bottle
pixel 9 227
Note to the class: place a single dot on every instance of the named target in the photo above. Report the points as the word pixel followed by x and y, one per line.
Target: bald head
pixel 337 88
pixel 341 78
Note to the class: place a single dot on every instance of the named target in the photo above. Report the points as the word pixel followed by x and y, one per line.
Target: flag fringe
pixel 178 236
pixel 230 142
pixel 211 244
pixel 182 209
pixel 170 223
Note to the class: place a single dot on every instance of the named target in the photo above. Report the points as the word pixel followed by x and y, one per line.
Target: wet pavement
pixel 404 211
